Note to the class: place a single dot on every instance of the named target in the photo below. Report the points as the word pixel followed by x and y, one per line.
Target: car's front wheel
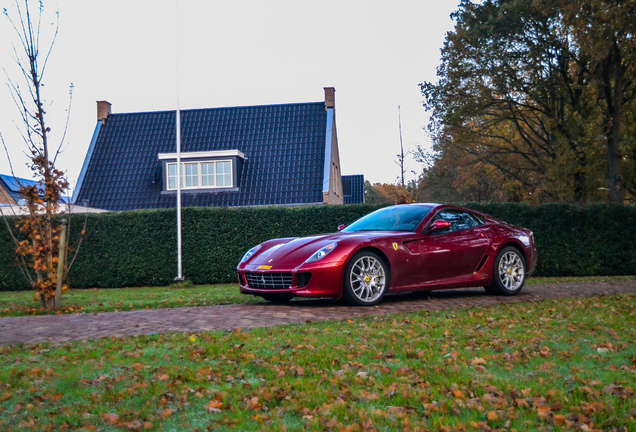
pixel 509 273
pixel 367 279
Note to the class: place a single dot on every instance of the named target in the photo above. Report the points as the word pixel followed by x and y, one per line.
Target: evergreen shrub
pixel 138 248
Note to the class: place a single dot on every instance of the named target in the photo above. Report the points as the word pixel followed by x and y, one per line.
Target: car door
pixel 455 252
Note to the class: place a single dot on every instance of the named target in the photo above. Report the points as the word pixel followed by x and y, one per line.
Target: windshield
pixel 398 218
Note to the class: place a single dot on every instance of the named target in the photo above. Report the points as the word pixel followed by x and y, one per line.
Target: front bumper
pixel 325 280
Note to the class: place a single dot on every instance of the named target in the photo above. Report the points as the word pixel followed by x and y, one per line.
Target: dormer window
pixel 203 170
pixel 201 175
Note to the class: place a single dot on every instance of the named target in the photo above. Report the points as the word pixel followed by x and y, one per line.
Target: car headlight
pixel 250 253
pixel 322 253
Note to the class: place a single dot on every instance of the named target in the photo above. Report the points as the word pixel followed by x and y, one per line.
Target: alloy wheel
pixel 511 271
pixel 368 279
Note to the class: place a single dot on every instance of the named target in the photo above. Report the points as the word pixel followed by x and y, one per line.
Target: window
pixel 398 218
pixel 191 175
pixel 224 174
pixel 207 174
pixel 172 176
pixel 458 220
pixel 201 175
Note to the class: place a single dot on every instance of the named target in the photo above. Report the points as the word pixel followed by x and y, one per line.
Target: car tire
pixel 277 298
pixel 509 272
pixel 367 279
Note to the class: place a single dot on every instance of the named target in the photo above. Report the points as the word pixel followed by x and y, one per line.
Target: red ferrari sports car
pixel 403 248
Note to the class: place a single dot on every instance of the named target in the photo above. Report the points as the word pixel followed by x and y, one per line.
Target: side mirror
pixel 439 225
pixel 340 227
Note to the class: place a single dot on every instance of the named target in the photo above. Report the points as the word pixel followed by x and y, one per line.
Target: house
pixel 353 189
pixel 12 203
pixel 240 156
pixel 10 189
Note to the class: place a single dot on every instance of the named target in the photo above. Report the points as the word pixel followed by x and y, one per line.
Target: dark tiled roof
pixel 284 148
pixel 13 184
pixel 353 189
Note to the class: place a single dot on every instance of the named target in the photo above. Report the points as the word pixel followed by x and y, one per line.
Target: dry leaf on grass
pixel 214 406
pixel 253 404
pixel 110 418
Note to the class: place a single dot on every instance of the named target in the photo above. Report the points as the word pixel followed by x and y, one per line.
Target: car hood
pixel 295 251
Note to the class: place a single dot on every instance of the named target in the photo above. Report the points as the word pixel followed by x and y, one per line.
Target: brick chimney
pixel 330 97
pixel 103 110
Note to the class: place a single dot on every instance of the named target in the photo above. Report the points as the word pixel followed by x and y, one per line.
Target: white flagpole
pixel 179 277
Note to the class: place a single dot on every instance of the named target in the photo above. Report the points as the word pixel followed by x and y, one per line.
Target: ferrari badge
pixel 395 246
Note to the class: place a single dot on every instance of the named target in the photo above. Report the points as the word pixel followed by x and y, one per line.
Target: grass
pixel 20 303
pixel 17 303
pixel 549 365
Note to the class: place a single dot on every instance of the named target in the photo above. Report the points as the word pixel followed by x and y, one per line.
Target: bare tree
pixel 401 162
pixel 41 245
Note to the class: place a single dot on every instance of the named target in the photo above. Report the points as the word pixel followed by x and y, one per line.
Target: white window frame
pixel 199 175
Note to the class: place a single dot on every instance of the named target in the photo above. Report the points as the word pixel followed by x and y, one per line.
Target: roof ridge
pixel 218 108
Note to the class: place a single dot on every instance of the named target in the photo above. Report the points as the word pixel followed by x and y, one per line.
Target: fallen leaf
pixel 477 361
pixel 396 409
pixel 544 412
pixel 110 418
pixel 27 424
pixel 253 403
pixel 166 413
pixel 492 416
pixel 214 406
pixel 134 426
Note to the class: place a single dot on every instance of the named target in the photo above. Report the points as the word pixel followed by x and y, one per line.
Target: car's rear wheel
pixel 367 279
pixel 509 273
pixel 277 298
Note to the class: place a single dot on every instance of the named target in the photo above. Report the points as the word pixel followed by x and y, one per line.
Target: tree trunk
pixel 615 161
pixel 60 266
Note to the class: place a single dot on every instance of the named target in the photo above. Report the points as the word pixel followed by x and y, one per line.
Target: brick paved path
pixel 62 328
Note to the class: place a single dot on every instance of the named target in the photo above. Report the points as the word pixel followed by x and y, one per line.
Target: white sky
pixel 236 53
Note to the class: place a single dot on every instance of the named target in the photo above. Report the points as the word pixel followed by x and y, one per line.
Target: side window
pixel 480 220
pixel 468 220
pixel 457 219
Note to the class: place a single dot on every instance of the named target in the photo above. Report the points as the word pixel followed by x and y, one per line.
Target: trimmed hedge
pixel 592 240
pixel 139 248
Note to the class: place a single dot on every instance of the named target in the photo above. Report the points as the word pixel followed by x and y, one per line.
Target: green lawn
pixel 17 303
pixel 125 299
pixel 566 364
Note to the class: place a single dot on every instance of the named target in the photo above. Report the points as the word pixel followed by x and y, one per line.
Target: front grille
pixel 269 280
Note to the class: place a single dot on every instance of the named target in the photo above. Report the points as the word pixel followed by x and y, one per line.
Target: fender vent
pixel 481 264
